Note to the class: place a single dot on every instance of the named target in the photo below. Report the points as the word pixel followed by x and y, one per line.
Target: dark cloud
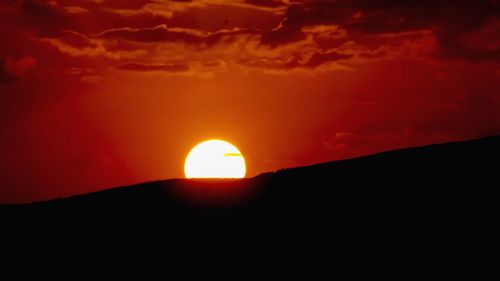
pixel 213 64
pixel 162 33
pixel 12 69
pixel 485 38
pixel 374 55
pixel 156 34
pixel 480 43
pixel 183 67
pixel 46 17
pixel 284 34
pixel 318 59
pixel 75 39
pixel 304 14
pixel 138 67
pixel 124 4
pixel 266 3
pixel 364 29
pixel 315 61
pixel 5 75
pixel 448 20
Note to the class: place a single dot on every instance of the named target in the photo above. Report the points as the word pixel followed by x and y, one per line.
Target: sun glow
pixel 215 159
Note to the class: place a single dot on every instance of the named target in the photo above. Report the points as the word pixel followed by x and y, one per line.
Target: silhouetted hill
pixel 435 180
pixel 414 210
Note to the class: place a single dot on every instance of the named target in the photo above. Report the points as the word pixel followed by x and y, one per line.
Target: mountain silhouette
pixel 396 185
pixel 434 204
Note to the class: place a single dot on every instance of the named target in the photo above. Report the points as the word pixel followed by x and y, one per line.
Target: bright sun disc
pixel 215 159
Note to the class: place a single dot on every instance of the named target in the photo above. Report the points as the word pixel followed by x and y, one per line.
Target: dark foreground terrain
pixel 438 182
pixel 429 208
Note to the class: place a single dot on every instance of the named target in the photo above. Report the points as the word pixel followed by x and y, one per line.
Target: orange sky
pixel 100 93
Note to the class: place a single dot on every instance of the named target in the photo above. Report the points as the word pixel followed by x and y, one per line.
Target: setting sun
pixel 215 159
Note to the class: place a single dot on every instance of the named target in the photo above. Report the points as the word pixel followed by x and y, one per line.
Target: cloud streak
pixel 171 68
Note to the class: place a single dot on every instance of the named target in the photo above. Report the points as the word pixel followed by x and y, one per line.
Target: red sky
pixel 101 93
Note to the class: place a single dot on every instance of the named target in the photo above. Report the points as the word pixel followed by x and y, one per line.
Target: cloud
pixel 262 34
pixel 316 62
pixel 200 68
pixel 47 17
pixel 154 9
pixel 162 33
pixel 171 68
pixel 481 43
pixel 283 34
pixel 158 33
pixel 318 59
pixel 271 6
pixel 76 44
pixel 170 10
pixel 76 39
pixel 267 3
pixel 454 23
pixel 75 10
pixel 485 38
pixel 5 75
pixel 13 69
pixel 91 79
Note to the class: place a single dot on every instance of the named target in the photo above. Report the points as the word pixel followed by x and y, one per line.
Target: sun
pixel 215 159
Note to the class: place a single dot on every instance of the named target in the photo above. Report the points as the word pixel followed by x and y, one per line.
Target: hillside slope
pixel 435 178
